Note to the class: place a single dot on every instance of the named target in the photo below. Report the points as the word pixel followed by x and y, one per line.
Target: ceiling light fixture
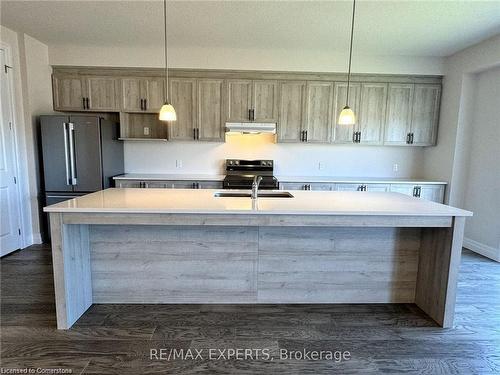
pixel 167 111
pixel 347 116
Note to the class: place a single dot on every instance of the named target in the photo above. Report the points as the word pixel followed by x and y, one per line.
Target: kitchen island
pixel 190 246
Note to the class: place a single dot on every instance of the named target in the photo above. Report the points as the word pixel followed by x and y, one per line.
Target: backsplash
pixel 290 159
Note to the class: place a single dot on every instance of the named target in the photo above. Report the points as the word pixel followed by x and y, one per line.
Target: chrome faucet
pixel 255 186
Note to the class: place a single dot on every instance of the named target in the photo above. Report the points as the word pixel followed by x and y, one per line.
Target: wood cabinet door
pixel 132 93
pixel 183 98
pixel 319 96
pixel 344 133
pixel 347 186
pixel 378 187
pixel 371 118
pixel 103 93
pixel 292 110
pixel 154 92
pixel 399 110
pixel 239 100
pixel 425 114
pixel 265 101
pixel 69 92
pixel 210 110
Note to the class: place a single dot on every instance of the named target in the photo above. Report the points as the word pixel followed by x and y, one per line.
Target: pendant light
pixel 347 116
pixel 167 111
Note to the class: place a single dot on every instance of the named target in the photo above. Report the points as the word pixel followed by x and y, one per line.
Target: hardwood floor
pixel 117 339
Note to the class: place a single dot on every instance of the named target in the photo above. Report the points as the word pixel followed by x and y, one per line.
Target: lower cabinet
pixel 431 192
pixel 168 184
pixel 317 186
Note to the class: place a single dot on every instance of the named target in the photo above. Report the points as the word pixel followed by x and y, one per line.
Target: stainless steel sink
pixel 263 194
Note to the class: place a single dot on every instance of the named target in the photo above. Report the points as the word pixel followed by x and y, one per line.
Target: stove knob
pixel 230 162
pixel 236 162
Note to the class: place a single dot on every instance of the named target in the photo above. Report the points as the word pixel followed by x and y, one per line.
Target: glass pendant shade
pixel 347 116
pixel 167 113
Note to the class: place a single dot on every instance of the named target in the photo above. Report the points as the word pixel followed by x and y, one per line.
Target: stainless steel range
pixel 240 174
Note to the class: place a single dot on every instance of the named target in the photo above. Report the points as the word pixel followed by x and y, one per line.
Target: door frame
pixel 22 208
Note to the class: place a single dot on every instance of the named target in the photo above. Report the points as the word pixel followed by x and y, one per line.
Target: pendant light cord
pixel 166 55
pixel 350 52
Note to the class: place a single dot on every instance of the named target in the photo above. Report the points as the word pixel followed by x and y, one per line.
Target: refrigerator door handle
pixel 65 133
pixel 72 153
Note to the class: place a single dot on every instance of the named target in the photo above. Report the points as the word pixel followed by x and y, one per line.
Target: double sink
pixel 242 194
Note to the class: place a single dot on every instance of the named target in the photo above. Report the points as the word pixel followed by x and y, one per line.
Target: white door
pixel 10 237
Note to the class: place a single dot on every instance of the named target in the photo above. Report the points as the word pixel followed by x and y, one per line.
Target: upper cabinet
pixel 69 93
pixel 368 101
pixel 371 117
pixel 183 98
pixel 292 111
pixel 210 110
pixel 399 113
pixel 318 117
pixel 425 114
pixel 142 94
pixel 390 110
pixel 249 100
pixel 412 114
pixel 85 93
pixel 102 93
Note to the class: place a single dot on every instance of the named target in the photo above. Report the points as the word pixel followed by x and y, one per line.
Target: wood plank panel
pixel 72 276
pixel 438 267
pixel 171 264
pixel 337 265
pixel 257 220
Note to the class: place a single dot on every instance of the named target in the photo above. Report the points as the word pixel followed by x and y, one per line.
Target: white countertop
pixel 299 179
pixel 357 180
pixel 202 201
pixel 170 177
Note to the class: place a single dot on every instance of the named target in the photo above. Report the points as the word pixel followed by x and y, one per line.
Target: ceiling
pixel 406 28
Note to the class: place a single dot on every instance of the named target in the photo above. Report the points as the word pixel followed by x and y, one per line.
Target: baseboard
pixel 478 247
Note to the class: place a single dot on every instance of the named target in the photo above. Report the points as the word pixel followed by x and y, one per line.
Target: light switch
pixel 146 130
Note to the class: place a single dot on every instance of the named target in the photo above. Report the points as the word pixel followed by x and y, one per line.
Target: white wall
pixel 447 160
pixel 290 159
pixel 245 59
pixel 32 88
pixel 482 188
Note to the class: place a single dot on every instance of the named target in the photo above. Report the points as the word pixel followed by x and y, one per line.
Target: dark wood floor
pixel 116 339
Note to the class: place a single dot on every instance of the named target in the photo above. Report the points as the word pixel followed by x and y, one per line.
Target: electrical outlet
pixel 178 164
pixel 395 167
pixel 321 165
pixel 146 130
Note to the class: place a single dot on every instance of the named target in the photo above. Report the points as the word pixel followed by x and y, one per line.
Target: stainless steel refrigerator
pixel 81 154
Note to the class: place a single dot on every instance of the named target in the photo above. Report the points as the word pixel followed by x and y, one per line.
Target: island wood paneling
pixel 338 265
pixel 72 276
pixel 439 260
pixel 172 264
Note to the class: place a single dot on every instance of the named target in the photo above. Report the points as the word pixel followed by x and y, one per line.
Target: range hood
pixel 250 127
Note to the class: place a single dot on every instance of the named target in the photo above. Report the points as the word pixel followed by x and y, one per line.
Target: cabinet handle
pixel 197 133
pixel 142 104
pixel 194 133
pixel 87 102
pixel 411 138
pixel 145 104
pixel 250 114
pixel 83 103
pixel 302 136
pixel 306 135
pixel 359 137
